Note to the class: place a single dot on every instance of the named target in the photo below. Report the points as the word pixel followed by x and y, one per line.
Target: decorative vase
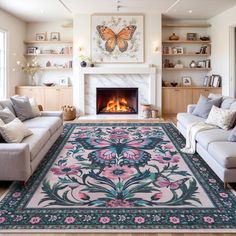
pixel 193 64
pixel 32 80
pixel 92 65
pixel 83 63
pixel 174 37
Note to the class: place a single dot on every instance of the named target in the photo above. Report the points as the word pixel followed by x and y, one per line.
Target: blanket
pixel 192 131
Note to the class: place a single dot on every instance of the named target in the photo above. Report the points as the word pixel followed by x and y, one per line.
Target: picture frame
pixel 125 50
pixel 186 81
pixel 179 50
pixel 201 64
pixel 41 36
pixel 64 81
pixel 55 36
pixel 191 36
pixel 206 81
pixel 31 50
pixel 216 81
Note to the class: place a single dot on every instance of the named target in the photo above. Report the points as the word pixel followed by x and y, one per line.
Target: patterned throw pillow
pixel 221 118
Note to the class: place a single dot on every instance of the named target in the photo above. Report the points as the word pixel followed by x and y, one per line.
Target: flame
pixel 117 105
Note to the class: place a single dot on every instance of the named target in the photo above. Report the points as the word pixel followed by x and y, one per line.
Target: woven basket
pixel 69 112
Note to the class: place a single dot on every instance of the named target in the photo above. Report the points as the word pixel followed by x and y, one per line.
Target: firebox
pixel 117 100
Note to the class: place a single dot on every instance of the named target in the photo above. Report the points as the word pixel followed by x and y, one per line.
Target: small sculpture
pixel 174 37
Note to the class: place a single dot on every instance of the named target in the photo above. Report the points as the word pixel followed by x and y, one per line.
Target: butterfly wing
pixel 106 156
pixel 134 156
pixel 145 143
pixel 124 35
pixel 107 35
pixel 91 144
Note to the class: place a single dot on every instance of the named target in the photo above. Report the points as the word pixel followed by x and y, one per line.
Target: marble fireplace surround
pixel 144 78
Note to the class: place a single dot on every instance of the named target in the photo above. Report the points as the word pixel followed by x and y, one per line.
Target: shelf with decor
pixel 186 25
pixel 50 55
pixel 48 42
pixel 54 68
pixel 186 41
pixel 186 54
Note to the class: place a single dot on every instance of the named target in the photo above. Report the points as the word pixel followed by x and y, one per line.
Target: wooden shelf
pixel 54 68
pixel 51 55
pixel 48 42
pixel 188 54
pixel 187 41
pixel 189 87
pixel 186 68
pixel 186 25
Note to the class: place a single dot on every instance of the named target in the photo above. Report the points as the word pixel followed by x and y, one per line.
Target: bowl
pixel 174 84
pixel 48 84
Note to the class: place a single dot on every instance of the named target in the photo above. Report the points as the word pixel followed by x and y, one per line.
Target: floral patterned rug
pixel 119 177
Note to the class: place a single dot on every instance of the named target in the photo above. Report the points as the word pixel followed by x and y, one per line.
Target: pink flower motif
pixel 104 220
pixel 16 194
pixel 224 195
pixel 69 146
pixel 212 181
pixel 174 220
pixel 115 172
pixel 139 220
pixel 2 219
pixel 65 170
pixel 157 196
pixel 208 219
pixel 167 158
pixel 35 220
pixel 119 134
pixel 69 220
pixel 169 146
pixel 83 196
pixel 119 203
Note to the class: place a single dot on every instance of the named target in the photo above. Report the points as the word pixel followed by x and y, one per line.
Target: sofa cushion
pixel 51 123
pixel 206 137
pixel 232 135
pixel 233 106
pixel 37 141
pixel 227 101
pixel 7 103
pixel 187 118
pixel 204 106
pixel 224 153
pixel 6 115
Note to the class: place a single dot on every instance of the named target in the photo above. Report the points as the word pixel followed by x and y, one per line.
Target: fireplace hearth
pixel 117 100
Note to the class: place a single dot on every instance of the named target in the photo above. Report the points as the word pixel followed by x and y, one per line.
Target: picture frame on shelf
pixel 64 81
pixel 186 80
pixel 191 36
pixel 179 50
pixel 216 81
pixel 206 81
pixel 41 36
pixel 31 50
pixel 55 36
pixel 201 64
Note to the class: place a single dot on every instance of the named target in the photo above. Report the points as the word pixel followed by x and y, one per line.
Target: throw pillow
pixel 34 107
pixel 204 106
pixel 14 132
pixel 22 107
pixel 6 115
pixel 221 117
pixel 232 135
pixel 1 138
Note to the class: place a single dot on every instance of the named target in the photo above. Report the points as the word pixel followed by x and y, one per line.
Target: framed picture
pixel 55 36
pixel 201 64
pixel 117 38
pixel 64 81
pixel 41 36
pixel 31 50
pixel 206 81
pixel 187 81
pixel 179 50
pixel 191 36
pixel 216 80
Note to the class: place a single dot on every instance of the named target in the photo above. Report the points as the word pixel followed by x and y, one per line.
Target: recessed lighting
pixel 190 11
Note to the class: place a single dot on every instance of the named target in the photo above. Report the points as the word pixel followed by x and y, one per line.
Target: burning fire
pixel 117 105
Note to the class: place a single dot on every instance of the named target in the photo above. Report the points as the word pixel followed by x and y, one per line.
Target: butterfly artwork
pixel 117 38
pixel 112 40
pixel 108 152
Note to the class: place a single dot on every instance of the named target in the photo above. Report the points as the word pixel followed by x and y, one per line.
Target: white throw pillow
pixel 35 107
pixel 221 117
pixel 14 132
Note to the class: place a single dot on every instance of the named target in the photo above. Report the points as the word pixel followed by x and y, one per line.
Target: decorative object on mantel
pixel 146 110
pixel 55 36
pixel 187 81
pixel 191 36
pixel 117 38
pixel 41 36
pixel 48 84
pixel 174 37
pixel 86 61
pixel 83 63
pixel 154 113
pixel 193 64
pixel 48 64
pixel 69 112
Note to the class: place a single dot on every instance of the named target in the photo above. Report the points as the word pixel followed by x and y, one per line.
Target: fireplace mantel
pixel 84 73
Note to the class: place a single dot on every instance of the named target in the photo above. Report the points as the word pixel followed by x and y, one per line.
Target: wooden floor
pixel 5 185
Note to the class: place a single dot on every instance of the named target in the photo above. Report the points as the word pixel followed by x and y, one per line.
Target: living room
pixel 117 116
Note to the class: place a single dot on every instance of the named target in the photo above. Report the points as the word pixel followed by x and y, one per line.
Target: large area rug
pixel 119 177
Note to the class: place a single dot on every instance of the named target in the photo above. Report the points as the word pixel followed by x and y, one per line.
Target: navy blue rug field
pixel 119 177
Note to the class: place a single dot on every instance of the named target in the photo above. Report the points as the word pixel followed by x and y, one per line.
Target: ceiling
pixel 53 10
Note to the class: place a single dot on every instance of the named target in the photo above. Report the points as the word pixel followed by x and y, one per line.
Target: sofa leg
pixel 225 185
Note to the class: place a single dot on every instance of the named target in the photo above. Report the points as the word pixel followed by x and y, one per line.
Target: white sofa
pixel 18 161
pixel 213 145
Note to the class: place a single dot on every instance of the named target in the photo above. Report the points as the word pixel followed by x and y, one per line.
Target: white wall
pixel 152 35
pixel 220 32
pixel 16 29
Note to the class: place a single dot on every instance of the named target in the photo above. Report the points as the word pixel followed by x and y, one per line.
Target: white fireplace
pixel 90 79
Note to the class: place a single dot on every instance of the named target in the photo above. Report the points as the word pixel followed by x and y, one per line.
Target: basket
pixel 69 112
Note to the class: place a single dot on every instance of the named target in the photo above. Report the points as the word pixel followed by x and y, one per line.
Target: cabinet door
pixel 24 91
pixel 66 97
pixel 183 98
pixel 168 103
pixel 52 99
pixel 205 92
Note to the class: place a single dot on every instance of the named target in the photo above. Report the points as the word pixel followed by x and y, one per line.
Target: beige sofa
pixel 18 161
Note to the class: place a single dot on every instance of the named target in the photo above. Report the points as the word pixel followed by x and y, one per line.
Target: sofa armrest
pixel 52 113
pixel 191 107
pixel 14 161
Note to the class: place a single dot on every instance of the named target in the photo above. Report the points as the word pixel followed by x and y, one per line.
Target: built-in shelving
pixel 48 42
pixel 54 68
pixel 186 25
pixel 188 54
pixel 187 41
pixel 187 68
pixel 50 55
